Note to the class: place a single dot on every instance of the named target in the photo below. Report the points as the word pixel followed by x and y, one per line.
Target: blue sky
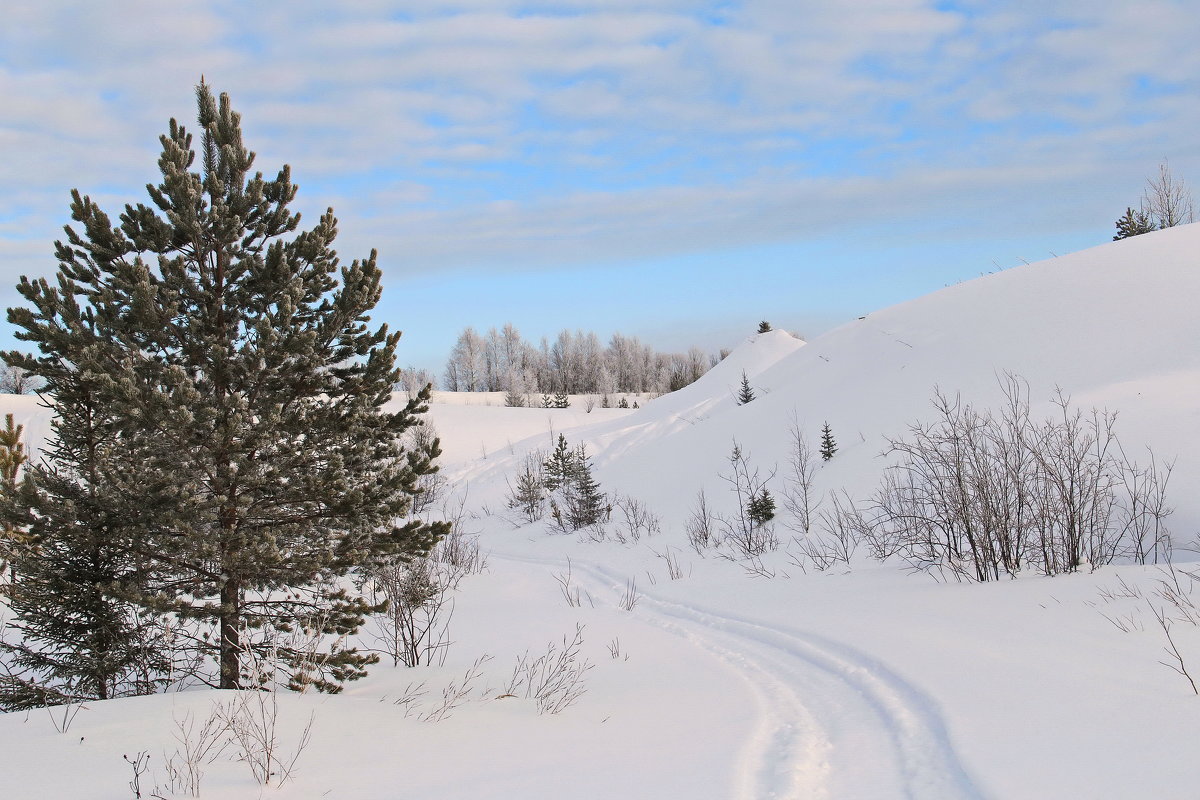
pixel 673 170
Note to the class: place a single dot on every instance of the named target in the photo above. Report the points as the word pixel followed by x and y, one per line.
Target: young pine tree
pixel 745 394
pixel 559 469
pixel 585 503
pixel 764 327
pixel 12 459
pixel 528 496
pixel 80 636
pixel 1134 223
pixel 828 445
pixel 243 392
pixel 761 508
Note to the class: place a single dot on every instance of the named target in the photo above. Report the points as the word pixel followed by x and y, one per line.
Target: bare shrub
pixel 199 744
pixel 410 698
pixel 980 495
pixel 457 692
pixel 140 763
pixel 799 499
pixel 701 526
pixel 456 556
pixel 746 532
pixel 555 679
pixel 1171 603
pixel 570 592
pixel 636 519
pixel 415 628
pixel 1143 514
pixel 614 650
pixel 629 599
pixel 252 719
pixel 674 570
pixel 841 528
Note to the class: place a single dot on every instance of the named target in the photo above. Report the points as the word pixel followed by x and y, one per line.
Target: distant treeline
pixel 573 363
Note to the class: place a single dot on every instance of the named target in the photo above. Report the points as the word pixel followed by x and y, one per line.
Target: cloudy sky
pixel 672 169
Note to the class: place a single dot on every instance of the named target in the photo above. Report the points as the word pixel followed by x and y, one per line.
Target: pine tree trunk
pixel 231 645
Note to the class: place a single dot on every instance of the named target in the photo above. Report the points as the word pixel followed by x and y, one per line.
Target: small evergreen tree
pixel 585 503
pixel 746 394
pixel 623 404
pixel 761 508
pixel 1134 223
pixel 547 401
pixel 528 496
pixel 764 326
pixel 80 636
pixel 828 445
pixel 559 469
pixel 561 400
pixel 12 459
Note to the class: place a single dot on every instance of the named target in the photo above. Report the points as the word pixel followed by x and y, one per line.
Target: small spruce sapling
pixel 586 504
pixel 559 469
pixel 828 445
pixel 764 327
pixel 761 509
pixel 529 495
pixel 745 394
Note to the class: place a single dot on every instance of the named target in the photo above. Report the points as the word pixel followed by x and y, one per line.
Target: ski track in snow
pixel 832 721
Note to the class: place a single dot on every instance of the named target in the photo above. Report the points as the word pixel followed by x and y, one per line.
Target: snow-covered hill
pixel 1114 327
pixel 717 683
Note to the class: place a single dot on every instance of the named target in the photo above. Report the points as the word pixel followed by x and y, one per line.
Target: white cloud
pixel 674 125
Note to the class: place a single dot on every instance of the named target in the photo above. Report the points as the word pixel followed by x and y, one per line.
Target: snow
pixel 871 682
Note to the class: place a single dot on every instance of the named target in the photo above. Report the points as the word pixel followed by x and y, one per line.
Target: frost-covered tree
pixel 16 380
pixel 1167 201
pixel 242 390
pixel 465 371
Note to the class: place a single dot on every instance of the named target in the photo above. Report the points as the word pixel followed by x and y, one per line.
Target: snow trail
pixel 833 722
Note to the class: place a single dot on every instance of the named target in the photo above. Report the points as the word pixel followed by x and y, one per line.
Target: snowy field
pixel 713 678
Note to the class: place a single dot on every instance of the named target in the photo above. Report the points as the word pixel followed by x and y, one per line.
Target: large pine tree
pixel 237 372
